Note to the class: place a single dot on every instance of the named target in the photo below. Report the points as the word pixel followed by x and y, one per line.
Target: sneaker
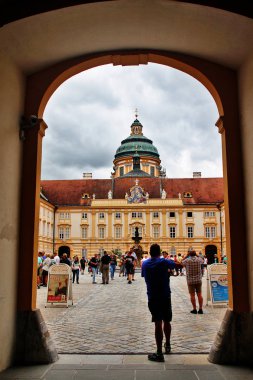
pixel 167 348
pixel 94 282
pixel 194 311
pixel 129 282
pixel 156 357
pixel 200 311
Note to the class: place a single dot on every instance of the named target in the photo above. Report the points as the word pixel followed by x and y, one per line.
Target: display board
pixel 218 283
pixel 59 286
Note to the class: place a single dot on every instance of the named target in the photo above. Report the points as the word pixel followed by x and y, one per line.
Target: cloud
pixel 91 113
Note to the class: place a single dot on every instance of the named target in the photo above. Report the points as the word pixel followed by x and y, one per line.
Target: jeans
pixel 76 275
pixel 112 270
pixel 94 272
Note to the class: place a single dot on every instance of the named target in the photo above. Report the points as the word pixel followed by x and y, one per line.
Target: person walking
pixel 93 263
pixel 113 265
pixel 82 264
pixel 129 266
pixel 105 261
pixel 45 269
pixel 75 269
pixel 155 272
pixel 193 266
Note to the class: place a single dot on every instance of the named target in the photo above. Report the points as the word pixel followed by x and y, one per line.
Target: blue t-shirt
pixel 155 272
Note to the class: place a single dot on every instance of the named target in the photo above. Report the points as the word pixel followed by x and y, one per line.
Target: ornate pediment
pixel 137 194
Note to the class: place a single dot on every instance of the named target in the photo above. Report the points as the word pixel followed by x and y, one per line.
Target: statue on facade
pixel 110 194
pixel 147 195
pixel 164 194
pixel 179 196
pixel 126 196
pixel 94 196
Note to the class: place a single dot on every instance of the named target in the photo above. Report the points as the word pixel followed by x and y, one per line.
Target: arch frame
pixel 221 82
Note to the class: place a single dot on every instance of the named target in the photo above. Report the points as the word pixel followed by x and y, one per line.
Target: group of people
pixel 103 265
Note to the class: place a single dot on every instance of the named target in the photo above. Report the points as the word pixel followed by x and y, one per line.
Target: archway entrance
pixel 64 249
pixel 210 252
pixel 222 85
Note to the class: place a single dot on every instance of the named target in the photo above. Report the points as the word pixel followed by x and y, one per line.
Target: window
pixel 210 232
pixel 84 215
pixel 190 231
pixel 155 214
pixel 84 252
pixel 44 212
pixel 173 251
pixel 101 215
pixel 172 232
pixel 118 232
pixel 64 215
pixel 139 230
pixel 156 232
pixel 48 229
pixel 152 171
pixel 121 171
pixel 44 229
pixel 172 214
pixel 189 214
pixel 84 232
pixel 101 232
pixel 67 232
pixel 208 214
pixel 136 214
pixel 117 215
pixel 61 233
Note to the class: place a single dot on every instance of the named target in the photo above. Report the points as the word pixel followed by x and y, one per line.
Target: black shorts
pixel 160 309
pixel 129 270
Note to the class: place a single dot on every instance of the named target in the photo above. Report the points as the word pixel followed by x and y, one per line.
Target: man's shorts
pixel 160 309
pixel 195 288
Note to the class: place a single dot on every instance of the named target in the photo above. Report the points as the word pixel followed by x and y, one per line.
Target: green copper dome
pixel 136 142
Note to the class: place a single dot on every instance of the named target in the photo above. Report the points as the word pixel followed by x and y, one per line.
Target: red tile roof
pixel 69 192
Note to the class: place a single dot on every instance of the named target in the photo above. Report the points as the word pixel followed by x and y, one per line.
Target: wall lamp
pixel 26 124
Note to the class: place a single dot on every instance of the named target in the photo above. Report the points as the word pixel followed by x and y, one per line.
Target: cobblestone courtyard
pixel 114 319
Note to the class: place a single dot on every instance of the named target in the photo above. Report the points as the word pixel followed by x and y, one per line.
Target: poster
pixel 218 283
pixel 58 288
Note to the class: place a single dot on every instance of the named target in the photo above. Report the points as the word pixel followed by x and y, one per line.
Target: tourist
pixel 56 258
pixel 82 264
pixel 192 264
pixel 75 269
pixel 155 271
pixel 39 270
pixel 135 262
pixel 129 266
pixel 45 269
pixel 93 264
pixel 65 260
pixel 105 261
pixel 122 265
pixel 113 265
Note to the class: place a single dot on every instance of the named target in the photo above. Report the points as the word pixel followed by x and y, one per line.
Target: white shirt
pixel 57 259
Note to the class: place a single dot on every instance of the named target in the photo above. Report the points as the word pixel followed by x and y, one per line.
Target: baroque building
pixel 86 216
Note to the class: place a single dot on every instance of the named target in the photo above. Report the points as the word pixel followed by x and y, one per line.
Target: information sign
pixel 218 283
pixel 59 287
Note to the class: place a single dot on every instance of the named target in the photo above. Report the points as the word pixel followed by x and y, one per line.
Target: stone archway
pixel 220 82
pixel 64 249
pixel 210 252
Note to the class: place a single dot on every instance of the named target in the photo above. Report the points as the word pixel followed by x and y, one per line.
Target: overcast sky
pixel 90 114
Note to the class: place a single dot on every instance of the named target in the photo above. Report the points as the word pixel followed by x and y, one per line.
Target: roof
pixel 71 192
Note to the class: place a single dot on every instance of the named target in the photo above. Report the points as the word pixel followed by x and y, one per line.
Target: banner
pixel 218 283
pixel 59 286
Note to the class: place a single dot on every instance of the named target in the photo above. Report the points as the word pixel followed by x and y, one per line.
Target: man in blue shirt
pixel 155 271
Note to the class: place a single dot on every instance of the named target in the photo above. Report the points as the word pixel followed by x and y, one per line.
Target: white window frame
pixel 101 215
pixel 67 232
pixel 118 232
pixel 140 230
pixel 190 232
pixel 156 232
pixel 101 232
pixel 84 232
pixel 117 215
pixel 172 232
pixel 209 214
pixel 84 215
pixel 155 214
pixel 61 233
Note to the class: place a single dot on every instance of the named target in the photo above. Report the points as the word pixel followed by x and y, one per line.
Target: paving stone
pixel 165 375
pixel 60 375
pixel 105 375
pixel 25 372
pixel 100 323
